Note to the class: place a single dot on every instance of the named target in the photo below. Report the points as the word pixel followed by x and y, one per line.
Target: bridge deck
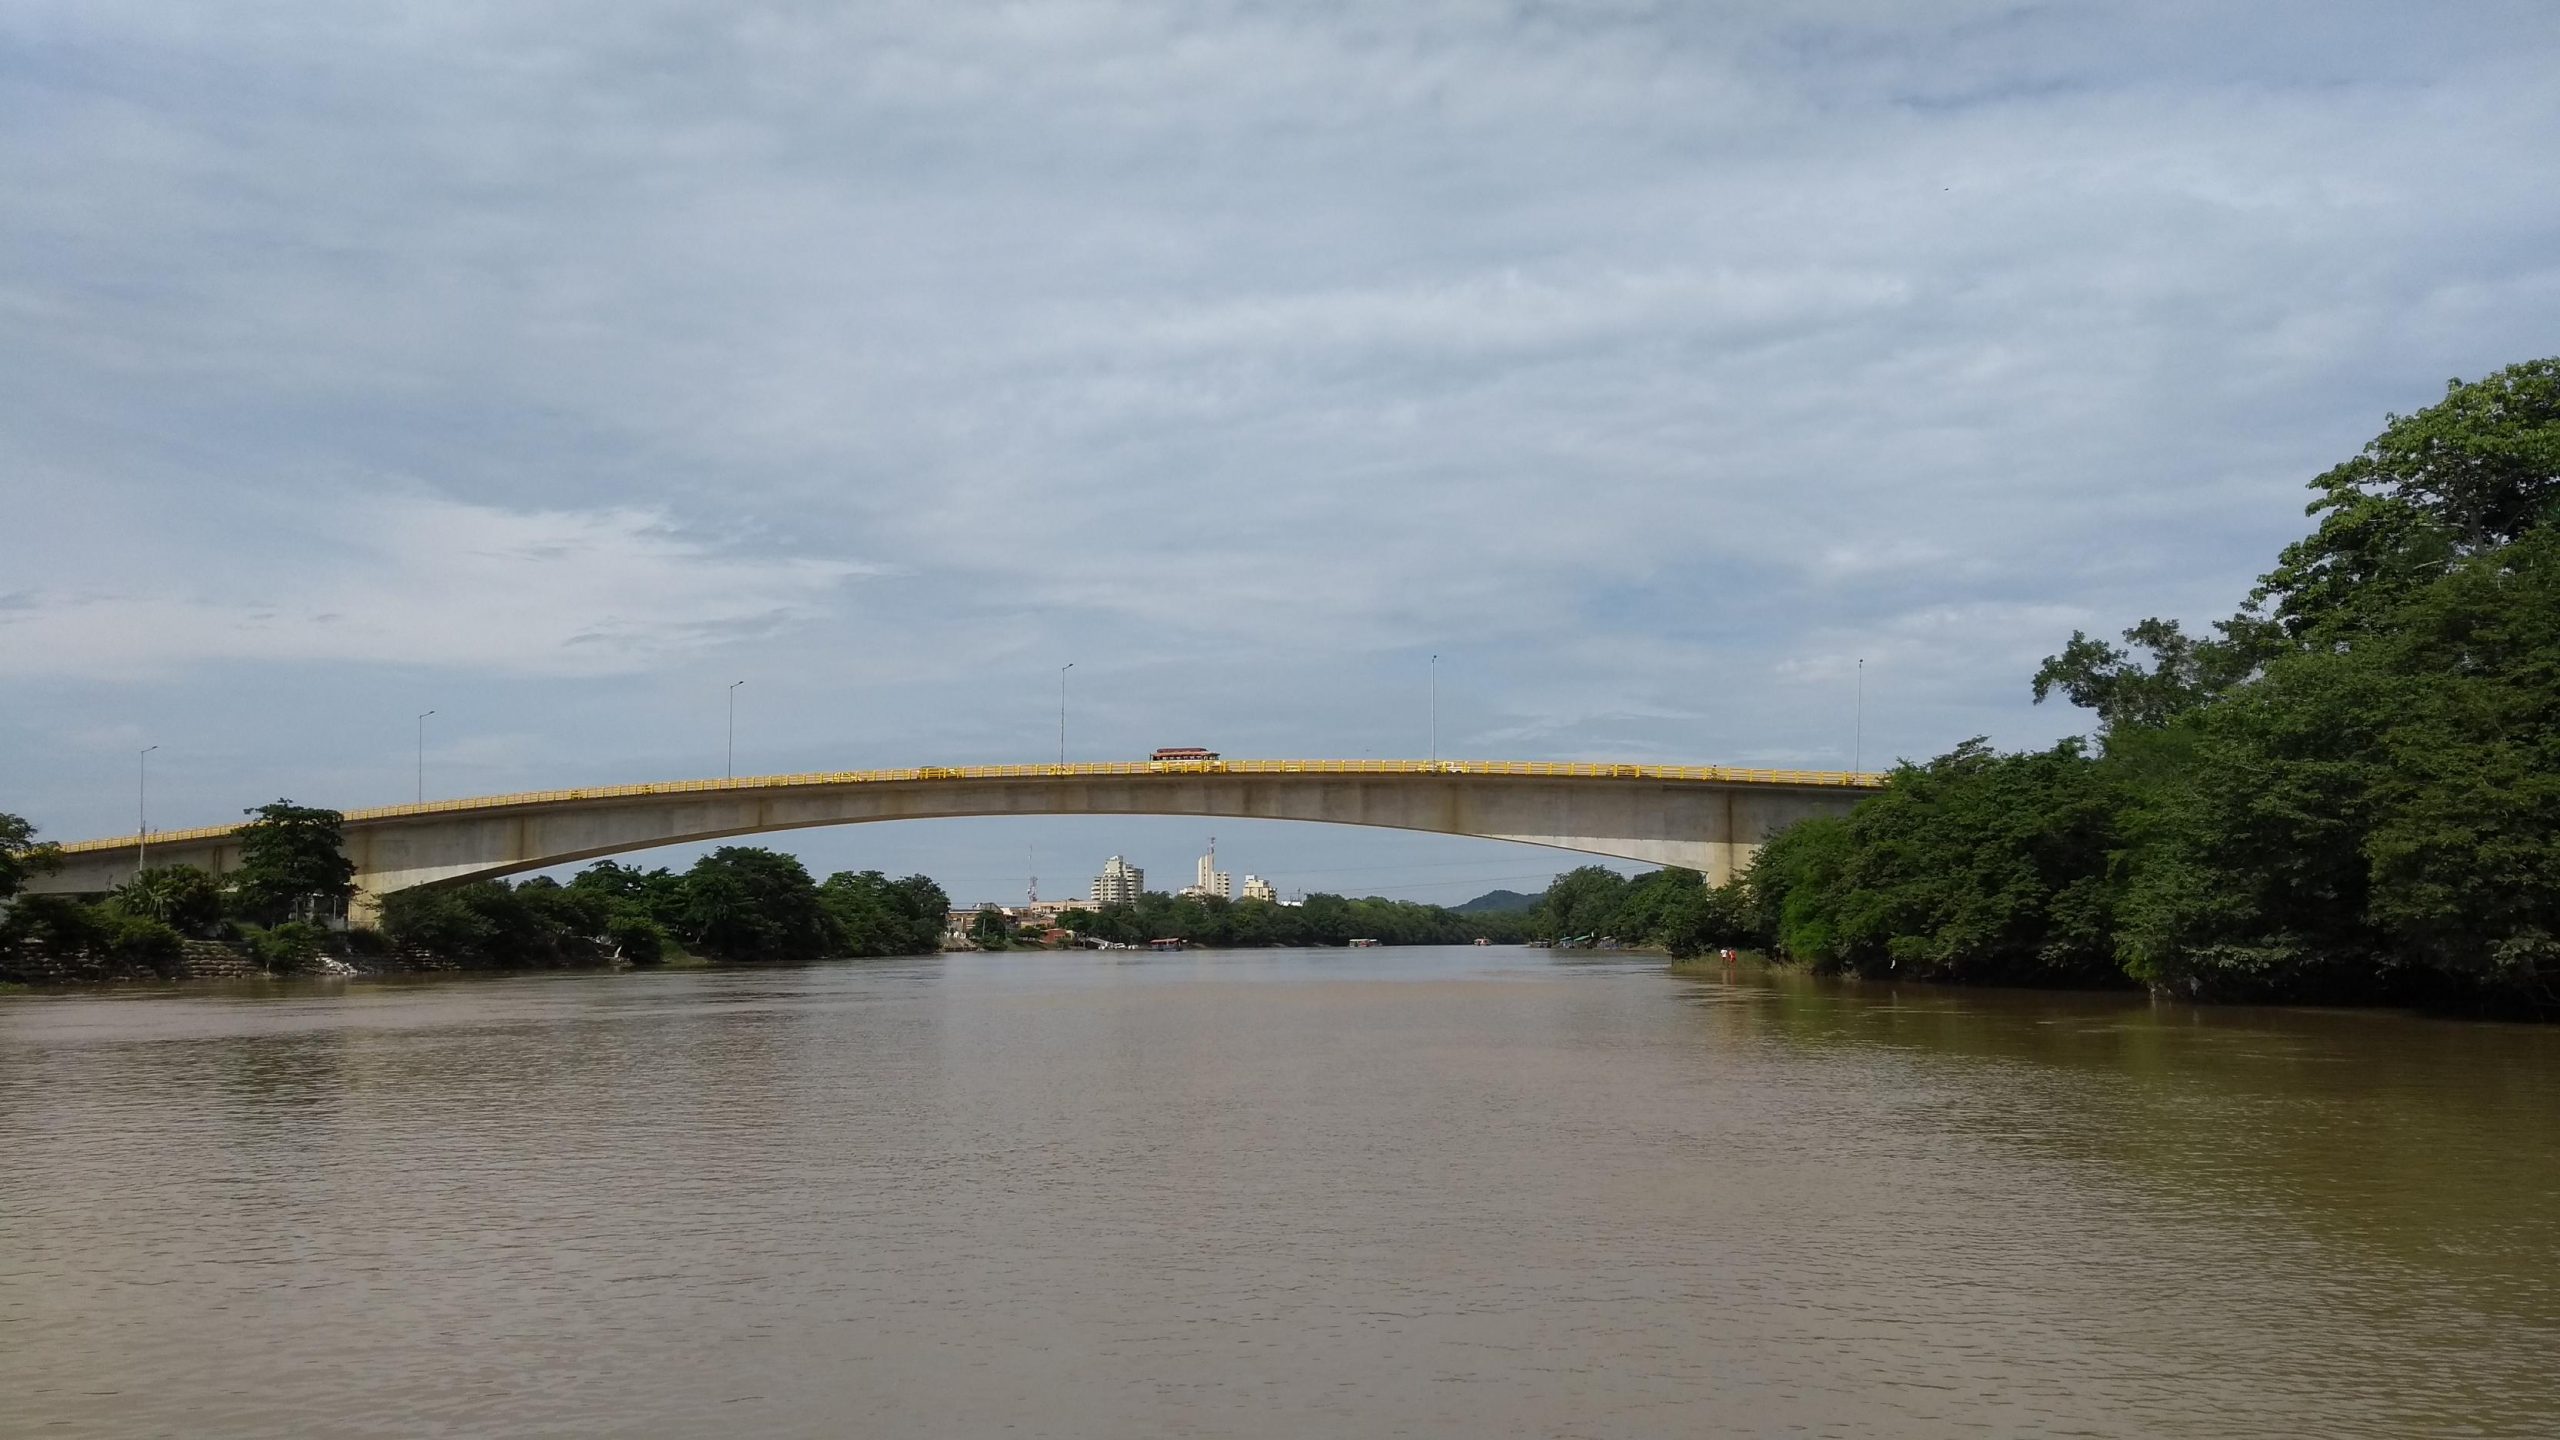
pixel 1533 769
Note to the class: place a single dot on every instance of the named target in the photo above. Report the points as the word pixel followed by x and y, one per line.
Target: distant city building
pixel 1257 888
pixel 1120 883
pixel 1045 912
pixel 1213 881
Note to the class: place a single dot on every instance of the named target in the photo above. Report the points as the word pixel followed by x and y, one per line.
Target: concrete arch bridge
pixel 1707 818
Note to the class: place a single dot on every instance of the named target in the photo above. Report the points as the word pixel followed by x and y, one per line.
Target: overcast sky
pixel 553 365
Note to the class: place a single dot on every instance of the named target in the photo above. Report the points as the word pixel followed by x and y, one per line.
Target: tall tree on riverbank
pixel 292 859
pixel 2377 813
pixel 2351 791
pixel 874 915
pixel 742 902
pixel 22 856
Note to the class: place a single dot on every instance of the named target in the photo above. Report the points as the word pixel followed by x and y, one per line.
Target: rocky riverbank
pixel 34 966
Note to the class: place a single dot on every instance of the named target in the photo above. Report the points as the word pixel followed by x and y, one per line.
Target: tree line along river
pixel 1458 1192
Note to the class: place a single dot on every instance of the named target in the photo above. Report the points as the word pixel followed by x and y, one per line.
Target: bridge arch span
pixel 1707 818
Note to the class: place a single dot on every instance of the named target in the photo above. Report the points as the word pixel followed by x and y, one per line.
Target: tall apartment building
pixel 1214 881
pixel 1257 888
pixel 1120 883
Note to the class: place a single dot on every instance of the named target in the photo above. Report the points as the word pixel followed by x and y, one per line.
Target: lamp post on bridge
pixel 1858 736
pixel 1435 709
pixel 422 755
pixel 733 727
pixel 142 808
pixel 1062 710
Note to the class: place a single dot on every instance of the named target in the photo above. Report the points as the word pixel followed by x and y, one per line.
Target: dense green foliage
pixel 132 945
pixel 22 856
pixel 131 941
pixel 743 902
pixel 2351 791
pixel 142 928
pixel 990 928
pixel 738 903
pixel 182 897
pixel 291 948
pixel 1673 909
pixel 539 924
pixel 1974 866
pixel 875 915
pixel 1319 920
pixel 292 864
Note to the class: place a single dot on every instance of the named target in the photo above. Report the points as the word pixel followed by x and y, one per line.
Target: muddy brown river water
pixel 1467 1192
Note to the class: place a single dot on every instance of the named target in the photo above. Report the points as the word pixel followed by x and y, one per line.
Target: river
pixel 1461 1192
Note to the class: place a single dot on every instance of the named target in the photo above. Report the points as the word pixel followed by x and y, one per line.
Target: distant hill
pixel 1493 901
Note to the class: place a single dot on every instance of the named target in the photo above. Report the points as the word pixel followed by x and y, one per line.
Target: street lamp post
pixel 1062 710
pixel 1435 709
pixel 142 808
pixel 733 727
pixel 1858 740
pixel 422 755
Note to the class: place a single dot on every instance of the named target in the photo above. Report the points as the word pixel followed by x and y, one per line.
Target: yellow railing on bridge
pixel 1532 769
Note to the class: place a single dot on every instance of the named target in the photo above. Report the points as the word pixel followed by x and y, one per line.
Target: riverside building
pixel 1120 883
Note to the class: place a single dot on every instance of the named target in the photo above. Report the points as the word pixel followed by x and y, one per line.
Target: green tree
pixel 1794 888
pixel 59 924
pixel 292 861
pixel 1983 866
pixel 182 897
pixel 442 921
pixel 634 938
pixel 139 942
pixel 22 857
pixel 874 915
pixel 2351 793
pixel 2465 845
pixel 1582 901
pixel 540 923
pixel 1651 905
pixel 2183 675
pixel 2377 820
pixel 658 893
pixel 742 902
pixel 989 929
pixel 2463 477
pixel 292 948
pixel 1708 917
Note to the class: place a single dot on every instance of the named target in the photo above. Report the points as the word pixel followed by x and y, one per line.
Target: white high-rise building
pixel 1257 888
pixel 1120 883
pixel 1214 881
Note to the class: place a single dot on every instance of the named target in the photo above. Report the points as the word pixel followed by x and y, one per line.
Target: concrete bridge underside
pixel 1704 818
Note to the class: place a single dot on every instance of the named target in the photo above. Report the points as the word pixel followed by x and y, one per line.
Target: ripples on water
pixel 1427 1193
